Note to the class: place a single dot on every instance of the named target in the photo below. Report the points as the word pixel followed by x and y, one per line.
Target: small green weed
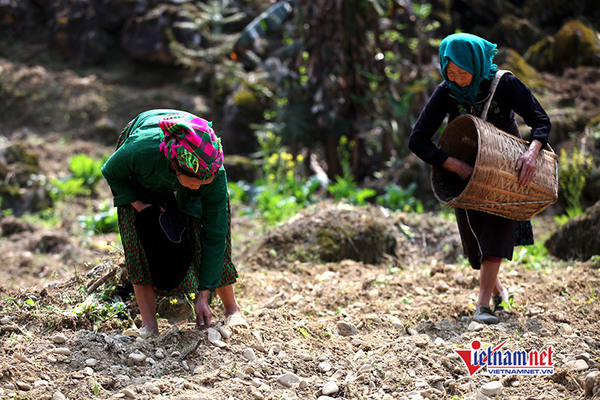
pixel 508 304
pixel 102 306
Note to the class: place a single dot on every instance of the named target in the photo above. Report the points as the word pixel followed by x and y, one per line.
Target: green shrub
pixel 345 188
pixel 399 199
pixel 104 221
pixel 67 188
pixel 85 175
pixel 533 257
pixel 87 169
pixel 573 171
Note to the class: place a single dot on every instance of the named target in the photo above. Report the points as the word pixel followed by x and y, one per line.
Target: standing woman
pixel 170 189
pixel 466 63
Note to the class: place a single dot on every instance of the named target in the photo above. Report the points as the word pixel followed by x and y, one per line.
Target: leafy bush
pixel 276 206
pixel 533 257
pixel 104 306
pixel 87 169
pixel 85 175
pixel 67 188
pixel 282 190
pixel 574 169
pixel 399 199
pixel 344 187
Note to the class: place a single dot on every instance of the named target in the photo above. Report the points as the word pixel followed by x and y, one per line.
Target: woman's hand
pixel 459 167
pixel 526 164
pixel 203 313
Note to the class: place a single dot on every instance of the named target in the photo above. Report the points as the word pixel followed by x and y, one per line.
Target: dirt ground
pixel 347 330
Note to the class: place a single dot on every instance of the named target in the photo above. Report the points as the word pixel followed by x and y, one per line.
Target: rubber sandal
pixel 142 332
pixel 485 315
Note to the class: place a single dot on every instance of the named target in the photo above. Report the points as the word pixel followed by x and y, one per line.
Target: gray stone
pixel 151 387
pixel 58 396
pixel 577 365
pixel 59 338
pixel 23 386
pixel 592 380
pixel 129 393
pixel 249 354
pixel 288 379
pixel 475 326
pixel 330 388
pixel 136 359
pixel 492 388
pixel 62 351
pixel 346 328
pixel 225 332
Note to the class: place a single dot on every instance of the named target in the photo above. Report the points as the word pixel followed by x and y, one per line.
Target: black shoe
pixel 485 315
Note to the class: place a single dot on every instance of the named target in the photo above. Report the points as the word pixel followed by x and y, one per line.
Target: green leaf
pixel 304 332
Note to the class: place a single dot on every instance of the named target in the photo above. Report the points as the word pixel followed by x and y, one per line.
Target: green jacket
pixel 138 165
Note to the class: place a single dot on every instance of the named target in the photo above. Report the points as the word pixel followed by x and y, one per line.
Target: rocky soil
pixel 342 330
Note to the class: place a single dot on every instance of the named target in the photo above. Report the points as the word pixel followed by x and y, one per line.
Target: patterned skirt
pixel 137 265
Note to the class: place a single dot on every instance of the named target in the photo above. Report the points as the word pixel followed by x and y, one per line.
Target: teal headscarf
pixel 473 54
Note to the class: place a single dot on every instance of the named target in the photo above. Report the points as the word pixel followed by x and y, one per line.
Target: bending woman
pixel 170 189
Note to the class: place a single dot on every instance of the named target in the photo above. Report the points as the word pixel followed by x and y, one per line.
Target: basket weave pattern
pixel 493 186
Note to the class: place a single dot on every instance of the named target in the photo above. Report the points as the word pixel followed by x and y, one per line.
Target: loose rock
pixel 330 388
pixel 129 393
pixel 346 328
pixel 23 386
pixel 249 355
pixel 58 396
pixel 136 359
pixel 62 351
pixel 59 338
pixel 152 388
pixel 225 332
pixel 213 335
pixel 288 379
pixel 592 383
pixel 492 388
pixel 577 365
pixel 324 366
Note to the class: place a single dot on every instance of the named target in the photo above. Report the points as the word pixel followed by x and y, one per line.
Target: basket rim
pixel 454 202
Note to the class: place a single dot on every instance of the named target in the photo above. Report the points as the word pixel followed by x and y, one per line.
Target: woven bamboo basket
pixel 493 187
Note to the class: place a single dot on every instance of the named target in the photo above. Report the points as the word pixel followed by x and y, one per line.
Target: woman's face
pixel 458 75
pixel 191 182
